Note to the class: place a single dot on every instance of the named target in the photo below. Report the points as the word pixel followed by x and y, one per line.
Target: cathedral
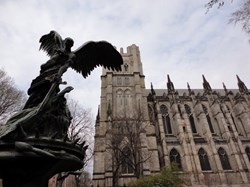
pixel 138 131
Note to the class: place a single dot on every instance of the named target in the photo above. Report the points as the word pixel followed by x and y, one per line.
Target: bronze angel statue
pixel 86 57
pixel 37 134
pixel 46 107
pixel 83 60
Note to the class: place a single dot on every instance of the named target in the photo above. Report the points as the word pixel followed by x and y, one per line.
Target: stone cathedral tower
pixel 122 95
pixel 205 132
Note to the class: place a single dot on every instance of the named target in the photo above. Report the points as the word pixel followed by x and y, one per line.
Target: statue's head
pixel 69 42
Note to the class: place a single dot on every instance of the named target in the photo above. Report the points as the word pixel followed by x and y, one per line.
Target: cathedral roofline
pixel 160 92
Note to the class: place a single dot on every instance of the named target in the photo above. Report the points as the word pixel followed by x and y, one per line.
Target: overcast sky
pixel 175 37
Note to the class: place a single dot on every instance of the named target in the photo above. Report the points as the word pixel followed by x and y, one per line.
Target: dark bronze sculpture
pixel 34 144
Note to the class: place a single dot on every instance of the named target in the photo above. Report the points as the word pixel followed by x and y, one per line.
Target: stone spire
pixel 170 86
pixel 152 89
pixel 190 91
pixel 206 86
pixel 241 85
pixel 225 88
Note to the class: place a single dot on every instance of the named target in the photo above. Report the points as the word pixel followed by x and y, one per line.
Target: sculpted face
pixel 69 42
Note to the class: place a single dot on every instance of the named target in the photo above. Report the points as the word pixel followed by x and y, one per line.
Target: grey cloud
pixel 175 37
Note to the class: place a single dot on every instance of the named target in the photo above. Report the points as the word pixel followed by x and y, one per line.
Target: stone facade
pixel 69 181
pixel 205 132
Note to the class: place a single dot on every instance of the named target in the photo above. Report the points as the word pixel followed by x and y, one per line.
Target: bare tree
pixel 81 130
pixel 84 180
pixel 11 98
pixel 212 3
pixel 241 15
pixel 124 143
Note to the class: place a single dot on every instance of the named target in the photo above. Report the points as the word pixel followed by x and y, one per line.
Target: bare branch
pixel 212 3
pixel 82 127
pixel 11 98
pixel 124 143
pixel 242 15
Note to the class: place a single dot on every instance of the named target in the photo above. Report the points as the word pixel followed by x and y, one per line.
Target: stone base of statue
pixel 31 163
pixel 34 144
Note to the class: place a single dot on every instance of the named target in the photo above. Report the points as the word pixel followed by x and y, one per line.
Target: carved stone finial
pixel 241 85
pixel 126 67
pixel 206 86
pixel 189 89
pixel 152 89
pixel 188 86
pixel 170 85
pixel 225 88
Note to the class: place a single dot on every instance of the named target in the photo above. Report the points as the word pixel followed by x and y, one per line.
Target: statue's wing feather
pixel 93 54
pixel 51 42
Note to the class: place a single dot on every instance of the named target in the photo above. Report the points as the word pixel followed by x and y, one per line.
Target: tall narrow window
pixel 175 158
pixel 248 153
pixel 128 100
pixel 224 159
pixel 151 114
pixel 119 102
pixel 119 81
pixel 166 119
pixel 126 81
pixel 191 118
pixel 205 165
pixel 126 158
pixel 208 118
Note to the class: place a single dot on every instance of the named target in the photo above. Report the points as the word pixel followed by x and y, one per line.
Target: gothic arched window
pixel 126 159
pixel 205 165
pixel 248 153
pixel 224 159
pixel 191 118
pixel 119 95
pixel 175 158
pixel 208 119
pixel 166 119
pixel 119 102
pixel 127 98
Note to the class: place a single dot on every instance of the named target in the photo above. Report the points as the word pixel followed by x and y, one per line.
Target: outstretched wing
pixel 51 42
pixel 93 54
